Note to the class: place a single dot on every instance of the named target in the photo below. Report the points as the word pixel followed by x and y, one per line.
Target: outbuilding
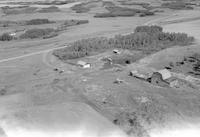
pixel 166 74
pixel 84 64
pixel 116 51
pixel 138 75
pixel 160 78
pixel 157 79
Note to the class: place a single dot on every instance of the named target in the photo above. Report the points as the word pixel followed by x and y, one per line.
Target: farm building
pixel 84 64
pixel 166 74
pixel 138 75
pixel 116 51
pixel 160 78
pixel 157 79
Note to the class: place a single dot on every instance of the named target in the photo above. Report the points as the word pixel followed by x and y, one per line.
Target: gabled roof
pixel 166 74
pixel 80 62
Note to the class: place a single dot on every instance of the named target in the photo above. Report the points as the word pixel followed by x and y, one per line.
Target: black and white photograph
pixel 99 68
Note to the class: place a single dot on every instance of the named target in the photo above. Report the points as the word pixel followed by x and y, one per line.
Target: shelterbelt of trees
pixel 144 38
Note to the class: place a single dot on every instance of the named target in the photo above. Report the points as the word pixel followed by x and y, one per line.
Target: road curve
pixel 31 54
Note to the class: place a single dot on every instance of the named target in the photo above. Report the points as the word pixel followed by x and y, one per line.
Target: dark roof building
pixel 157 79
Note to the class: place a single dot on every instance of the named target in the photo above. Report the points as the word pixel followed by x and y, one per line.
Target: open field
pixel 43 96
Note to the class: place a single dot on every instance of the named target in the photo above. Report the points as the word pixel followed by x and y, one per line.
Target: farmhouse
pixel 83 64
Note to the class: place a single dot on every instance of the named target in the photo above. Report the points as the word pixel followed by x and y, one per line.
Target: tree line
pixel 145 38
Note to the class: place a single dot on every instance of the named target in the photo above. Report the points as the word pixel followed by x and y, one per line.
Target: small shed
pixel 138 75
pixel 116 51
pixel 84 64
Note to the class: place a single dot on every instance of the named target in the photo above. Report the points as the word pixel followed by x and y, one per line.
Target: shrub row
pixel 75 22
pixel 115 11
pixel 49 9
pixel 177 5
pixel 37 33
pixel 38 22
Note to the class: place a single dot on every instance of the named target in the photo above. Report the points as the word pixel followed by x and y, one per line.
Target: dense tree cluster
pixel 145 38
pixel 74 22
pixel 6 37
pixel 149 29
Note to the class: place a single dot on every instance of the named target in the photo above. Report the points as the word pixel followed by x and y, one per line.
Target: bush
pixel 69 23
pixel 115 11
pixel 144 38
pixel 147 13
pixel 125 59
pixel 7 23
pixel 177 5
pixel 37 33
pixel 38 21
pixel 107 3
pixel 54 2
pixel 3 91
pixel 104 15
pixel 149 29
pixel 17 10
pixel 80 8
pixel 50 36
pixel 134 3
pixel 49 9
pixel 6 37
pixel 75 22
